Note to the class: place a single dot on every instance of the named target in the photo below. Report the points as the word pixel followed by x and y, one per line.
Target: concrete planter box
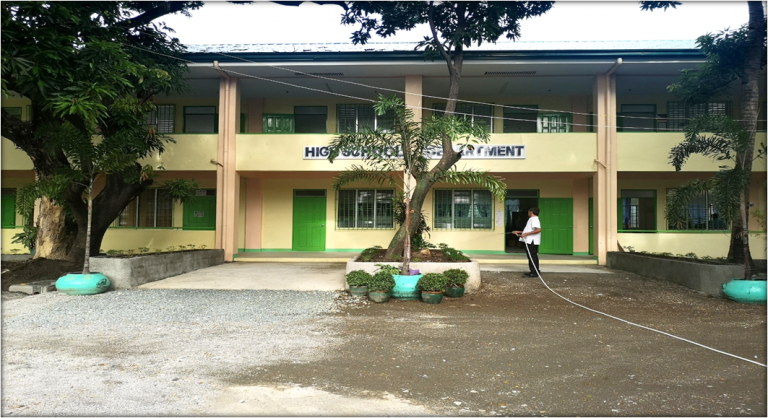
pixel 706 278
pixel 472 268
pixel 125 273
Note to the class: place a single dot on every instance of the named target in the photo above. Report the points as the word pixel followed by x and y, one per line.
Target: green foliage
pixel 202 247
pixel 418 242
pixel 15 251
pixel 382 281
pixel 452 253
pixel 27 237
pixel 432 282
pixel 386 268
pixel 114 253
pixel 182 247
pixel 691 255
pixel 367 254
pixel 456 277
pixel 180 190
pixel 396 257
pixel 358 278
pixel 663 5
pixel 170 248
pixel 143 250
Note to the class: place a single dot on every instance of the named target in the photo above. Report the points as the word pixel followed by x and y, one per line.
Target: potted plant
pixel 380 286
pixel 358 282
pixel 432 286
pixel 456 278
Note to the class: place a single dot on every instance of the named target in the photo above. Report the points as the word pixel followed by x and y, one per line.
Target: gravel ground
pixel 103 354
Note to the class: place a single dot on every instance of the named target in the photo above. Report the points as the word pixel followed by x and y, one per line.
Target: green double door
pixel 309 220
pixel 556 225
pixel 200 211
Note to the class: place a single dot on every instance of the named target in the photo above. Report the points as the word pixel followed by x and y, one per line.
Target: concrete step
pixel 34 288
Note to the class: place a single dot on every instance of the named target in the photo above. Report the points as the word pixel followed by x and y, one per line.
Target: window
pixel 553 122
pixel 162 119
pixel 8 201
pixel 702 214
pixel 356 117
pixel 277 124
pixel 478 114
pixel 463 209
pixel 637 118
pixel 524 119
pixel 200 120
pixel 152 209
pixel 310 119
pixel 369 209
pixel 637 210
pixel 761 118
pixel 678 113
pixel 13 111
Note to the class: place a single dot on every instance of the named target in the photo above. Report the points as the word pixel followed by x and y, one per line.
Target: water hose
pixel 628 322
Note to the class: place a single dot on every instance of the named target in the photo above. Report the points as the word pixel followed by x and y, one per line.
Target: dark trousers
pixel 533 258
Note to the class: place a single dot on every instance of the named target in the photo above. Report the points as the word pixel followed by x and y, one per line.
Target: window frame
pixel 566 115
pixel 156 121
pixel 377 119
pixel 678 123
pixel 620 211
pixel 621 122
pixel 710 206
pixel 215 119
pixel 439 112
pixel 492 225
pixel 137 221
pixel 375 210
pixel 325 121
pixel 507 111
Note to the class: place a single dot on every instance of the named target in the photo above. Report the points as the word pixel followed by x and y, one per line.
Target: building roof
pixel 410 46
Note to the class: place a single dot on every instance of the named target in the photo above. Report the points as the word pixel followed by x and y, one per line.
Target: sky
pixel 265 22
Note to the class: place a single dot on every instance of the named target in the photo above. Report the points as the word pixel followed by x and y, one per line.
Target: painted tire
pixel 454 292
pixel 379 297
pixel 746 291
pixel 358 290
pixel 82 284
pixel 405 287
pixel 432 297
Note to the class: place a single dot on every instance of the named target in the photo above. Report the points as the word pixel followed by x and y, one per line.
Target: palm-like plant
pixel 723 139
pixel 402 154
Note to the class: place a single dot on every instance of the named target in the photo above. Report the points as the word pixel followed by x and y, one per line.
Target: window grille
pixel 678 113
pixel 463 209
pixel 365 209
pixel 357 117
pixel 702 214
pixel 477 114
pixel 151 209
pixel 162 118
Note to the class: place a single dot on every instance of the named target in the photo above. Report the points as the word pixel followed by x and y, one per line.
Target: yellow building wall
pixel 155 239
pixel 569 152
pixel 191 152
pixel 702 244
pixel 639 151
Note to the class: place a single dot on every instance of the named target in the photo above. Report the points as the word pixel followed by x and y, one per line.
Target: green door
pixel 591 226
pixel 556 226
pixel 309 220
pixel 200 211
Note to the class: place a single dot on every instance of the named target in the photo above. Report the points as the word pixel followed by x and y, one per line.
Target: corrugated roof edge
pixel 410 46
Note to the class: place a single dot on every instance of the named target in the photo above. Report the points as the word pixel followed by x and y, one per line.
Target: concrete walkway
pixel 334 257
pixel 307 276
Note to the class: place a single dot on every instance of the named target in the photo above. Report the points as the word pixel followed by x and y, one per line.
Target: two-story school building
pixel 582 130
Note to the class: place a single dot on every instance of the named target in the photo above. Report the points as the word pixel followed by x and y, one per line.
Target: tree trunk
pixel 749 114
pixel 420 192
pixel 54 238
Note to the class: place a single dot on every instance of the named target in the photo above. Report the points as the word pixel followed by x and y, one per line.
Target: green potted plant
pixel 358 282
pixel 380 286
pixel 432 286
pixel 456 279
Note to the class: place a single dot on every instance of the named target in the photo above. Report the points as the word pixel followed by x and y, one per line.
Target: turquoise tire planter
pixel 405 287
pixel 746 291
pixel 82 284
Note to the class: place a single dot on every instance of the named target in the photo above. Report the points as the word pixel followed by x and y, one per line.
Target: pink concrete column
pixel 581 215
pixel 253 212
pixel 413 92
pixel 605 180
pixel 227 178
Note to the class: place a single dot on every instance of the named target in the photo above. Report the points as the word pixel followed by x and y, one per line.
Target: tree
pixel 723 139
pixel 86 67
pixel 404 151
pixel 731 56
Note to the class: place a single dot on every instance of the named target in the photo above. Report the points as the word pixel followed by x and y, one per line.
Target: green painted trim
pixel 144 227
pixel 288 250
pixel 276 250
pixel 483 252
pixel 241 250
pixel 682 231
pixel 581 253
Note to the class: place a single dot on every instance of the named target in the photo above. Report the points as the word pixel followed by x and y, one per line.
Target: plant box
pixel 130 272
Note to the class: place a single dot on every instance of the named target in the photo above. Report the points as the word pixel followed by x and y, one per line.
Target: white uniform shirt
pixel 533 223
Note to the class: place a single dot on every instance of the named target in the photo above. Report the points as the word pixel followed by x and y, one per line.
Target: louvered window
pixel 478 114
pixel 678 113
pixel 359 117
pixel 152 209
pixel 161 119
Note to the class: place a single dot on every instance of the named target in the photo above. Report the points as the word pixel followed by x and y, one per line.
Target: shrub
pixel 456 277
pixel 358 278
pixel 368 253
pixel 382 281
pixel 453 254
pixel 143 250
pixel 432 282
pixel 387 269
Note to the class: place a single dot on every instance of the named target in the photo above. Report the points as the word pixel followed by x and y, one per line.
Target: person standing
pixel 531 237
